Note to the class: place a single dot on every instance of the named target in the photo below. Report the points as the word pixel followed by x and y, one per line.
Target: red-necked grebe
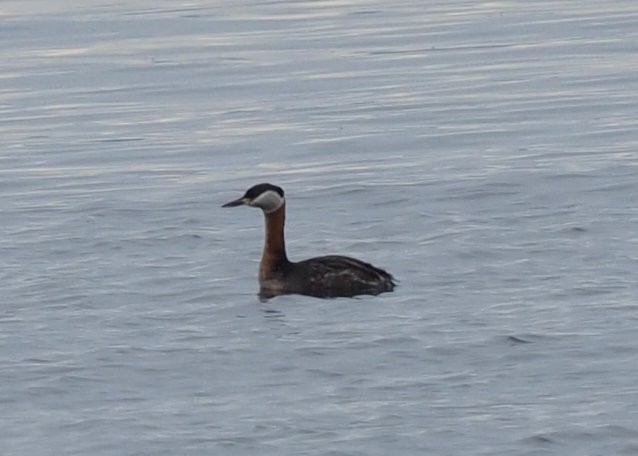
pixel 324 277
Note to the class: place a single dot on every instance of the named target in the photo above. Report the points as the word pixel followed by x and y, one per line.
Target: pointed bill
pixel 238 202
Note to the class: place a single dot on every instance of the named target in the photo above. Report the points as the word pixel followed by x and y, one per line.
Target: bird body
pixel 325 276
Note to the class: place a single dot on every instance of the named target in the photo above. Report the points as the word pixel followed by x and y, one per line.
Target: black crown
pixel 256 190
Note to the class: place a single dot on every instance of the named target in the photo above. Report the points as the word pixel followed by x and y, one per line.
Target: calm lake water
pixel 485 153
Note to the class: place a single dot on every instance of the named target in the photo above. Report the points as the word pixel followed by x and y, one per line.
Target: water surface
pixel 482 152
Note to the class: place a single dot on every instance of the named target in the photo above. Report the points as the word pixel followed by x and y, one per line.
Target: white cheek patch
pixel 268 201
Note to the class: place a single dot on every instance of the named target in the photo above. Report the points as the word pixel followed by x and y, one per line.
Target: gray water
pixel 485 153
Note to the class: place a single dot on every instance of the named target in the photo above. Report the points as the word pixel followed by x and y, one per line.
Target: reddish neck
pixel 274 253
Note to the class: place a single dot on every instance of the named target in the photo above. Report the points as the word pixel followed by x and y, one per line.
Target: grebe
pixel 324 277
